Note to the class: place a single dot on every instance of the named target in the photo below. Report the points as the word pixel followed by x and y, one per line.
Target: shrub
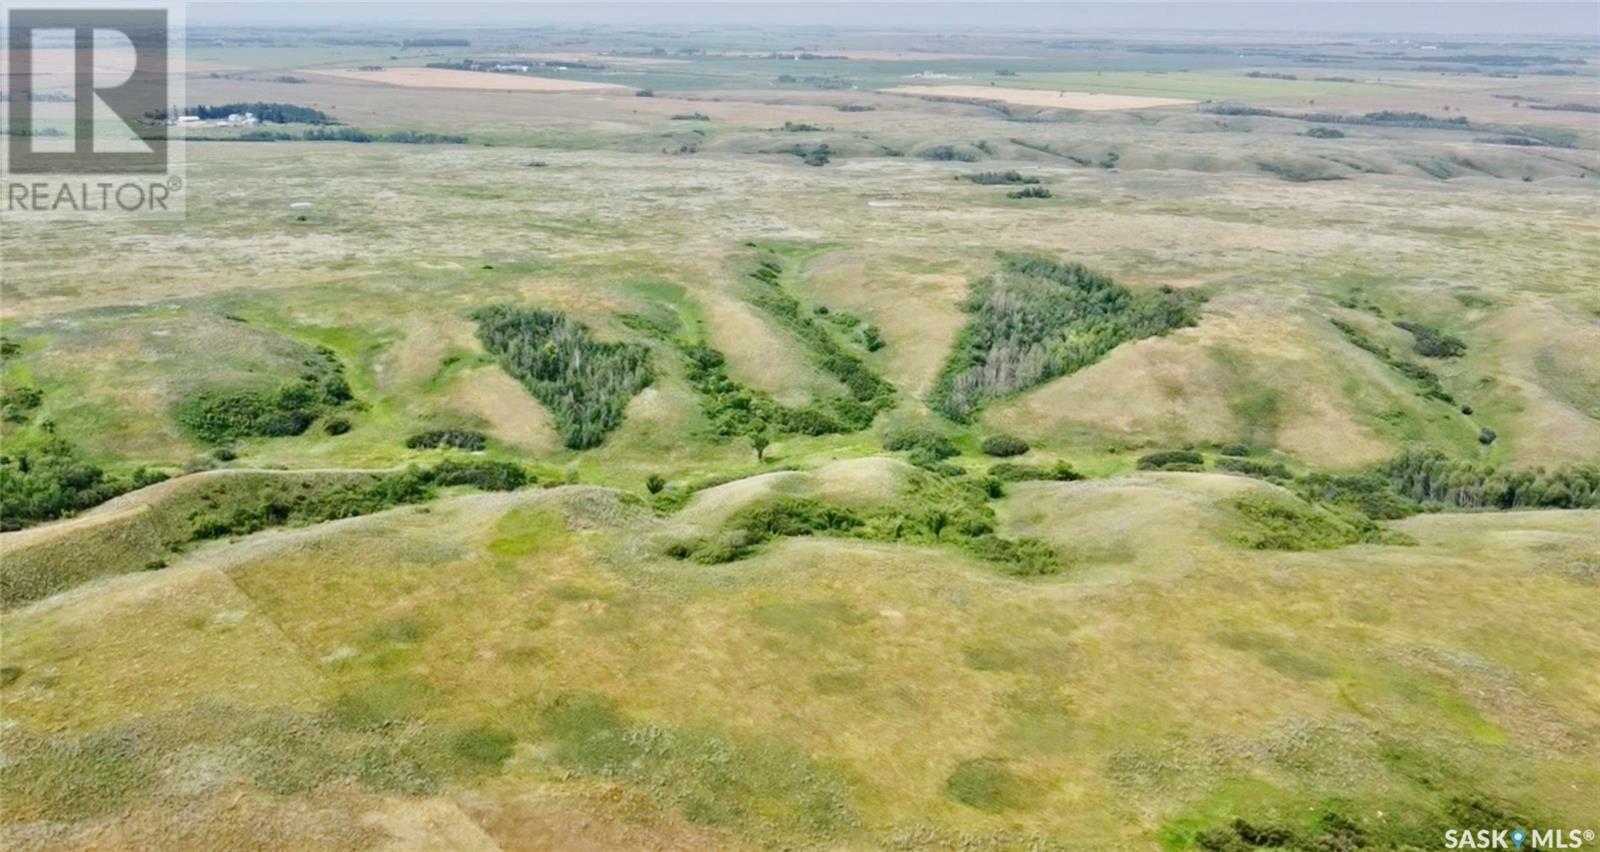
pixel 1486 436
pixel 51 481
pixel 1030 192
pixel 1004 446
pixel 1235 450
pixel 815 155
pixel 1275 524
pixel 1010 177
pixel 336 426
pixel 907 438
pixel 1013 472
pixel 947 152
pixel 480 473
pixel 790 516
pixel 219 416
pixel 457 439
pixel 1250 467
pixel 1431 342
pixel 1324 133
pixel 19 402
pixel 1424 377
pixel 1172 460
pixel 654 483
pixel 1025 557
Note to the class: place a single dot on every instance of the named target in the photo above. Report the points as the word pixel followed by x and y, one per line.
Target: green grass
pixel 988 786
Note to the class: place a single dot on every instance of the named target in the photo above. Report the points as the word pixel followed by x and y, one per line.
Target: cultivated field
pixel 964 441
pixel 446 78
pixel 1086 101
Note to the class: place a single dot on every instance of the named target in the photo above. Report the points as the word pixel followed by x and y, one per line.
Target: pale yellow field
pixel 1086 101
pixel 609 59
pixel 449 78
pixel 885 55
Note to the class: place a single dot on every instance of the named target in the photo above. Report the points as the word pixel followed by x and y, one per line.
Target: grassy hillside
pixel 825 691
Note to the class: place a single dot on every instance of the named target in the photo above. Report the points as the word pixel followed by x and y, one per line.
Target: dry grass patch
pixel 511 414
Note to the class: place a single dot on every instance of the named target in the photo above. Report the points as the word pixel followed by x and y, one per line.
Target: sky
pixel 1442 17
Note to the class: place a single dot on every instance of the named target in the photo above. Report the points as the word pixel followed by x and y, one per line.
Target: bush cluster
pixel 382 491
pixel 1251 467
pixel 403 137
pixel 933 509
pixel 1273 523
pixel 18 403
pixel 1004 446
pixel 1010 177
pixel 1186 460
pixel 786 516
pixel 1014 472
pixel 53 481
pixel 1426 378
pixel 455 439
pixel 221 416
pixel 947 153
pixel 1431 342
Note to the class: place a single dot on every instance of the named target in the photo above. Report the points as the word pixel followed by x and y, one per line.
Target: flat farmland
pixel 1086 101
pixel 450 78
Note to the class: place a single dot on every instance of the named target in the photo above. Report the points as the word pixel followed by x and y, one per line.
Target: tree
pixel 760 441
pixel 654 483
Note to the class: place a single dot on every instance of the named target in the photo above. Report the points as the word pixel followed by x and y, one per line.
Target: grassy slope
pixel 1143 696
pixel 143 530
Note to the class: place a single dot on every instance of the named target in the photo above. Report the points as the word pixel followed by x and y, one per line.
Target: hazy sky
pixel 1435 16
